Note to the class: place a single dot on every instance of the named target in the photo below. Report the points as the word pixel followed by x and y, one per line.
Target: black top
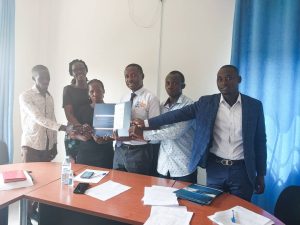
pixel 90 152
pixel 76 97
pixel 85 114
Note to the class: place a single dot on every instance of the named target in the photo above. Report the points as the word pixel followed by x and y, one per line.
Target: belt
pixel 226 162
pixel 131 147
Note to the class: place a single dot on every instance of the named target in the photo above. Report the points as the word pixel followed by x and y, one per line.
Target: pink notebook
pixel 13 176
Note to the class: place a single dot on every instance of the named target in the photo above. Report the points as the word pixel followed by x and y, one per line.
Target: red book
pixel 13 176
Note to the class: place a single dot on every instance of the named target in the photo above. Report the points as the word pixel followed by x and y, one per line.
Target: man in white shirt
pixel 39 125
pixel 131 155
pixel 39 137
pixel 176 139
pixel 230 138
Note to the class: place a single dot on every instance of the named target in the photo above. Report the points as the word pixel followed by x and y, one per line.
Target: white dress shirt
pixel 176 142
pixel 145 105
pixel 227 134
pixel 38 119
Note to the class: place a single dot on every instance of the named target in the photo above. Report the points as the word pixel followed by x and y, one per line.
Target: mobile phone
pixel 81 188
pixel 87 175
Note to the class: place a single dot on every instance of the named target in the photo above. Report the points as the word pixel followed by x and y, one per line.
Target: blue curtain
pixel 266 49
pixel 7 65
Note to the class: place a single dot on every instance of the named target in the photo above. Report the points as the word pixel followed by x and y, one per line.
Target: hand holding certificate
pixel 112 117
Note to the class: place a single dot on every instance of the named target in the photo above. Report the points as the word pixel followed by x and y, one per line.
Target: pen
pixel 98 175
pixel 233 217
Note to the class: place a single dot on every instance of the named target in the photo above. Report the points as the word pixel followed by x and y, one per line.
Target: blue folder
pixel 198 193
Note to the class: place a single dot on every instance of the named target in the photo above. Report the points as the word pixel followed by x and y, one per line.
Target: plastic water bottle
pixel 65 170
pixel 71 178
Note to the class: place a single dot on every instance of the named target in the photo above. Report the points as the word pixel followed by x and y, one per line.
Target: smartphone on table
pixel 81 188
pixel 87 174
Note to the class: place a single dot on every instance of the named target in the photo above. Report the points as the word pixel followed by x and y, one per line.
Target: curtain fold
pixel 266 49
pixel 7 66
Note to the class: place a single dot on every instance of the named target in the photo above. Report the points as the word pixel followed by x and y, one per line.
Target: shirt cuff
pixel 146 123
pixel 146 135
pixel 58 126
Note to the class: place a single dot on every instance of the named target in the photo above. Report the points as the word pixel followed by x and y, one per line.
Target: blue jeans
pixel 233 179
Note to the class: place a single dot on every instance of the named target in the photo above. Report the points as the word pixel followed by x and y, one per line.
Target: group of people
pixel 224 132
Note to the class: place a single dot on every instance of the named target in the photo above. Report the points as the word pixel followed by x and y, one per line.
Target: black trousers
pixel 192 178
pixel 134 158
pixel 4 216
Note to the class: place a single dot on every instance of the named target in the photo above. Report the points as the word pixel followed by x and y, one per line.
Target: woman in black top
pixel 93 150
pixel 74 96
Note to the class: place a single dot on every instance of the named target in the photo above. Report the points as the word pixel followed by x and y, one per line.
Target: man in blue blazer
pixel 230 138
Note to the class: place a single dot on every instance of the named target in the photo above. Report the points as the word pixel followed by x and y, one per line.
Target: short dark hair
pixel 176 72
pixel 96 81
pixel 76 61
pixel 236 70
pixel 37 69
pixel 137 66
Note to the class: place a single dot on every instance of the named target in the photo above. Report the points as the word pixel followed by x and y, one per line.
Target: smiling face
pixel 228 81
pixel 96 92
pixel 79 71
pixel 133 78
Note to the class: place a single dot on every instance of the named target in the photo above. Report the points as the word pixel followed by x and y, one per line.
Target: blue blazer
pixel 204 111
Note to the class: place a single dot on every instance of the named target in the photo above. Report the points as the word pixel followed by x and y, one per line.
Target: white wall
pixel 196 39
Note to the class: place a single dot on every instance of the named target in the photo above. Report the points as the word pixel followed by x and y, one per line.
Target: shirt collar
pixel 222 100
pixel 140 91
pixel 34 88
pixel 179 100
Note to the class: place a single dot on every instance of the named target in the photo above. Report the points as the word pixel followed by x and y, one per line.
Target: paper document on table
pixel 18 184
pixel 98 175
pixel 169 215
pixel 159 195
pixel 242 216
pixel 106 190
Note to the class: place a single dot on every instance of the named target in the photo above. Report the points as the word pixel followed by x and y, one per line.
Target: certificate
pixel 111 117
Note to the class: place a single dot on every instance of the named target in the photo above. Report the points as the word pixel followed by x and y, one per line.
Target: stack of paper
pixel 166 215
pixel 106 190
pixel 18 184
pixel 159 195
pixel 241 216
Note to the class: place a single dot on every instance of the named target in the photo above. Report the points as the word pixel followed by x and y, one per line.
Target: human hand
pixel 259 184
pixel 84 137
pixel 138 122
pixel 101 140
pixel 71 127
pixel 136 133
pixel 86 128
pixel 117 138
pixel 80 135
